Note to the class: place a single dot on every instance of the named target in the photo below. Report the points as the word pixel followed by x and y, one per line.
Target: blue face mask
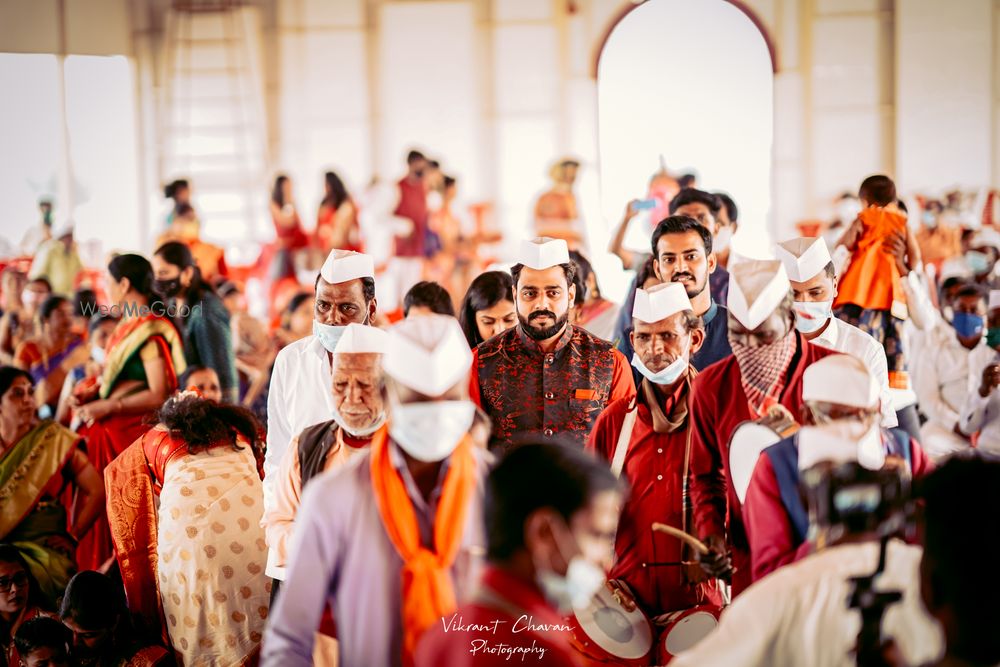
pixel 968 325
pixel 328 335
pixel 978 262
pixel 928 219
pixel 810 316
pixel 667 376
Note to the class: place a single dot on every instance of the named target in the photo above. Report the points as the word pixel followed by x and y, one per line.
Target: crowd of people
pixel 503 464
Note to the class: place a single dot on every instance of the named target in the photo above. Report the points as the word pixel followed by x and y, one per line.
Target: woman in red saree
pixel 53 354
pixel 185 504
pixel 145 355
pixel 39 463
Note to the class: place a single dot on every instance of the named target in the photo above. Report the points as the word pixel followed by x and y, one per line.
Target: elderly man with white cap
pixel 813 278
pixel 546 376
pixel 359 411
pixel 299 393
pixel 393 539
pixel 838 390
pixel 647 440
pixel 769 359
pixel 800 615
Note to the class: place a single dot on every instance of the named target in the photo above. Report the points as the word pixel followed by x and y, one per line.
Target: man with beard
pixel 682 253
pixel 546 376
pixel 765 370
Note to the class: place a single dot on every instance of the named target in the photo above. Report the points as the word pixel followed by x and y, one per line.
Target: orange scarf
pixel 428 594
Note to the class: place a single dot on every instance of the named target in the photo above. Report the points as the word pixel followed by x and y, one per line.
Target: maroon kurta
pixel 412 206
pixel 654 469
pixel 503 626
pixel 719 405
pixel 773 542
pixel 526 391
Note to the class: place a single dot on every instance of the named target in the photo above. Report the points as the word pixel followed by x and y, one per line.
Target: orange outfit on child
pixel 872 280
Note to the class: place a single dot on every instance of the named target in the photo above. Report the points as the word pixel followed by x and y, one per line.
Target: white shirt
pixel 300 395
pixel 798 615
pixel 945 375
pixel 982 414
pixel 848 339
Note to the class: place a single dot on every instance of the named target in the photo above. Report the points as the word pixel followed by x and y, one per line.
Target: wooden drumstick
pixel 694 542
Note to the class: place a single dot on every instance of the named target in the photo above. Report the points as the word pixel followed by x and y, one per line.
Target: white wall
pixel 946 112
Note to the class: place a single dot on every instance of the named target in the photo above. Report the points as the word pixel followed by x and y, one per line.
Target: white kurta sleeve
pixel 928 389
pixel 279 431
pixel 879 367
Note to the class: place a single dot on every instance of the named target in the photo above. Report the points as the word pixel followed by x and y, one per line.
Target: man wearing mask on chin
pixel 838 392
pixel 551 513
pixel 399 528
pixel 810 271
pixel 647 440
pixel 769 358
pixel 546 376
pixel 950 370
pixel 299 394
pixel 359 412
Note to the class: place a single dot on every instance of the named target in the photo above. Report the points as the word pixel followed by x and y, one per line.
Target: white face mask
pixel 810 316
pixel 358 433
pixel 575 589
pixel 723 238
pixel 867 435
pixel 328 335
pixel 667 376
pixel 430 431
pixel 98 354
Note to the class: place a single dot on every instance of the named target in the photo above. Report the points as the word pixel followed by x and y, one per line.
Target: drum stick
pixel 694 542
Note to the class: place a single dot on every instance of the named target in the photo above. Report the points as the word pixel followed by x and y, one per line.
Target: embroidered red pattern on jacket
pixel 556 395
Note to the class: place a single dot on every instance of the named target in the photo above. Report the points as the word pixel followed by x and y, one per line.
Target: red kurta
pixel 773 542
pixel 500 628
pixel 560 394
pixel 719 405
pixel 654 469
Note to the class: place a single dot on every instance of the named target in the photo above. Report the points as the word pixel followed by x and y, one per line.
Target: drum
pixel 751 438
pixel 605 633
pixel 684 629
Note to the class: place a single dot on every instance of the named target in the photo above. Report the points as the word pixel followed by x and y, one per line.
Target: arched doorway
pixel 693 82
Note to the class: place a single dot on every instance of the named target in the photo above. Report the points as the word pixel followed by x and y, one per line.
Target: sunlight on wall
pixel 665 89
pixel 101 152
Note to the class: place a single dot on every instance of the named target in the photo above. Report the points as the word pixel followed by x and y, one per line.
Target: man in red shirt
pixel 648 440
pixel 545 376
pixel 769 357
pixel 840 390
pixel 551 513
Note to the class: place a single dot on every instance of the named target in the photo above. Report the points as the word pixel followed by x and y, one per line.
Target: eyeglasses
pixel 20 580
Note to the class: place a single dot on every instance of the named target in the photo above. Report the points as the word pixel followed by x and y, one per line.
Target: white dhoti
pixel 940 443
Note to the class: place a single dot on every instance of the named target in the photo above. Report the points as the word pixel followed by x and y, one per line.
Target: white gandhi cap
pixel 542 253
pixel 756 289
pixel 660 302
pixel 362 339
pixel 841 379
pixel 344 265
pixel 427 354
pixel 804 258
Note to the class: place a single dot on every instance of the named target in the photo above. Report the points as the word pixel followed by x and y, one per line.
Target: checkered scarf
pixel 763 370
